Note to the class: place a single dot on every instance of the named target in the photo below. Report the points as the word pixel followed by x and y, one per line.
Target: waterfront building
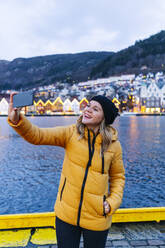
pixel 67 106
pixel 163 96
pixel 4 106
pixel 48 106
pixel 150 97
pixel 75 106
pixel 39 107
pixel 57 105
pixel 83 103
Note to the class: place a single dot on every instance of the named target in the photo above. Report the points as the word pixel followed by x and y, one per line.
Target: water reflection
pixel 144 160
pixel 29 175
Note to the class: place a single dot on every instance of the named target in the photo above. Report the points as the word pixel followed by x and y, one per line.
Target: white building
pixel 151 97
pixel 150 90
pixel 163 96
pixel 67 106
pixel 4 107
pixel 75 106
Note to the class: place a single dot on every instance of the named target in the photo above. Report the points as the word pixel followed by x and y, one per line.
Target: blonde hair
pixel 104 131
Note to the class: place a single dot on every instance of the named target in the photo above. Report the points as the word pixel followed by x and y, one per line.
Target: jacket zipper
pixel 62 189
pixel 82 193
pixel 91 152
pixel 102 171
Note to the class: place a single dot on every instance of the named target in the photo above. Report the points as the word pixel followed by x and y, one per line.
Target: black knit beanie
pixel 109 108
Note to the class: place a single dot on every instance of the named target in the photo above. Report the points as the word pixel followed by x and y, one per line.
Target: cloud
pixel 40 27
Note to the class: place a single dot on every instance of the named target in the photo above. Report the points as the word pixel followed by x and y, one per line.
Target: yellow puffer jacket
pixel 85 177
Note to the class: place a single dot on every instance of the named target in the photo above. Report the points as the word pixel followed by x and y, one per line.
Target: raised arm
pixel 38 136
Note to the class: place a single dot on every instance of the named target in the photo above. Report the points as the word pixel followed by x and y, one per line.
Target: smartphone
pixel 23 99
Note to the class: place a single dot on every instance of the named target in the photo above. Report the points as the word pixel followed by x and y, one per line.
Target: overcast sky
pixel 40 27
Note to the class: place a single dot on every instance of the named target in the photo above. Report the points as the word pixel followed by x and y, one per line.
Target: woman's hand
pixel 107 207
pixel 13 113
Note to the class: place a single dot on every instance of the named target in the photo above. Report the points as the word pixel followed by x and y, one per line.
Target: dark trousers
pixel 68 236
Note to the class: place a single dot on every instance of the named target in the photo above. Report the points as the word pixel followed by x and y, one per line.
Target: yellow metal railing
pixel 139 214
pixel 11 221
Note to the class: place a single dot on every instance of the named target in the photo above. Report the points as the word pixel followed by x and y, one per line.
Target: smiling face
pixel 93 115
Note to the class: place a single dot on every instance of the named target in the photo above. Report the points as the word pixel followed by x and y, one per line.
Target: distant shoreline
pixel 46 115
pixel 142 114
pixel 122 114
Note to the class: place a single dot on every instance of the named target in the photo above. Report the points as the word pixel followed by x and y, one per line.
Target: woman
pixel 92 178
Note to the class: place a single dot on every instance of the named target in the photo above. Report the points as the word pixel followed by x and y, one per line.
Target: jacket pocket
pixel 104 199
pixel 62 189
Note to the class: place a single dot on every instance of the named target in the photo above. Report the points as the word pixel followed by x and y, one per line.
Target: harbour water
pixel 29 174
